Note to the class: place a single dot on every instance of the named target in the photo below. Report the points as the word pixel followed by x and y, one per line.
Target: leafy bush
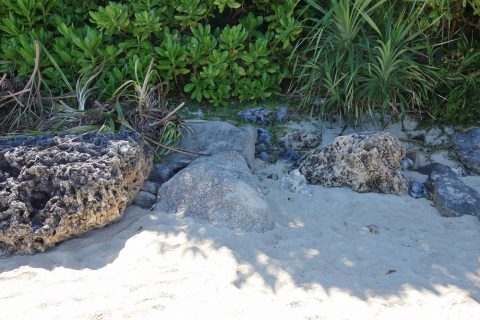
pixel 364 57
pixel 456 98
pixel 213 50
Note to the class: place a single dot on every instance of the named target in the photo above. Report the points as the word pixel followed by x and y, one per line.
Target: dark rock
pixel 145 200
pixel 418 190
pixel 56 188
pixel 264 116
pixel 160 173
pixel 210 138
pixel 467 147
pixel 437 168
pixel 261 147
pixel 450 195
pixel 150 186
pixel 290 155
pixel 265 157
pixel 220 190
pixel 366 162
pixel 264 136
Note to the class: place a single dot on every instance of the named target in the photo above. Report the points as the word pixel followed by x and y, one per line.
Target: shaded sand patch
pixel 335 255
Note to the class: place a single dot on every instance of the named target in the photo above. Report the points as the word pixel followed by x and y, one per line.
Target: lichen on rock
pixel 366 162
pixel 56 188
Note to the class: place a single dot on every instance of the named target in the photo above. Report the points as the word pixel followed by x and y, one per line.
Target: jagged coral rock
pixel 366 162
pixel 56 188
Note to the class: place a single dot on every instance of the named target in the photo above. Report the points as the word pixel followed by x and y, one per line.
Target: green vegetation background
pixel 363 57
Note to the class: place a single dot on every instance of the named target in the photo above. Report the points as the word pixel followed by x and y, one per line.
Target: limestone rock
pixel 366 162
pixel 220 190
pixel 296 183
pixel 467 147
pixel 211 138
pixel 450 195
pixel 56 188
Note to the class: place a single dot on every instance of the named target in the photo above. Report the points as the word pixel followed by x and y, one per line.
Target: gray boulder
pixel 450 195
pixel 213 137
pixel 467 147
pixel 220 190
pixel 56 188
pixel 366 162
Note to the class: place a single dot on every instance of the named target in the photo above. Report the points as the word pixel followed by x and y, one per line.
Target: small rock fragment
pixel 296 183
pixel 418 190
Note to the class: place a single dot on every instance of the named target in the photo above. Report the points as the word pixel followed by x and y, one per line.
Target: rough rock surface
pixel 450 195
pixel 213 137
pixel 468 149
pixel 366 162
pixel 220 190
pixel 56 188
pixel 264 116
pixel 301 140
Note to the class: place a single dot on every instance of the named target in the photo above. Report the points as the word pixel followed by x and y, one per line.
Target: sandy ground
pixel 335 255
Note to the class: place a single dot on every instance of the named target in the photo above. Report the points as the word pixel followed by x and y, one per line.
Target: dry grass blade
pixel 14 106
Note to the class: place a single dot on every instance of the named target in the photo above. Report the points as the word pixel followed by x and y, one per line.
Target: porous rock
pixel 56 188
pixel 210 138
pixel 366 162
pixel 467 147
pixel 220 190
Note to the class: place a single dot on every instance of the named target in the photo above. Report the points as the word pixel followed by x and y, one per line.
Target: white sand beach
pixel 335 255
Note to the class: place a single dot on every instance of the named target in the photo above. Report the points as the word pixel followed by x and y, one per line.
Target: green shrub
pixel 456 98
pixel 213 50
pixel 364 57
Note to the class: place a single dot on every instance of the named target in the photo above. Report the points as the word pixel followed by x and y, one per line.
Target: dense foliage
pixel 363 57
pixel 389 57
pixel 212 49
